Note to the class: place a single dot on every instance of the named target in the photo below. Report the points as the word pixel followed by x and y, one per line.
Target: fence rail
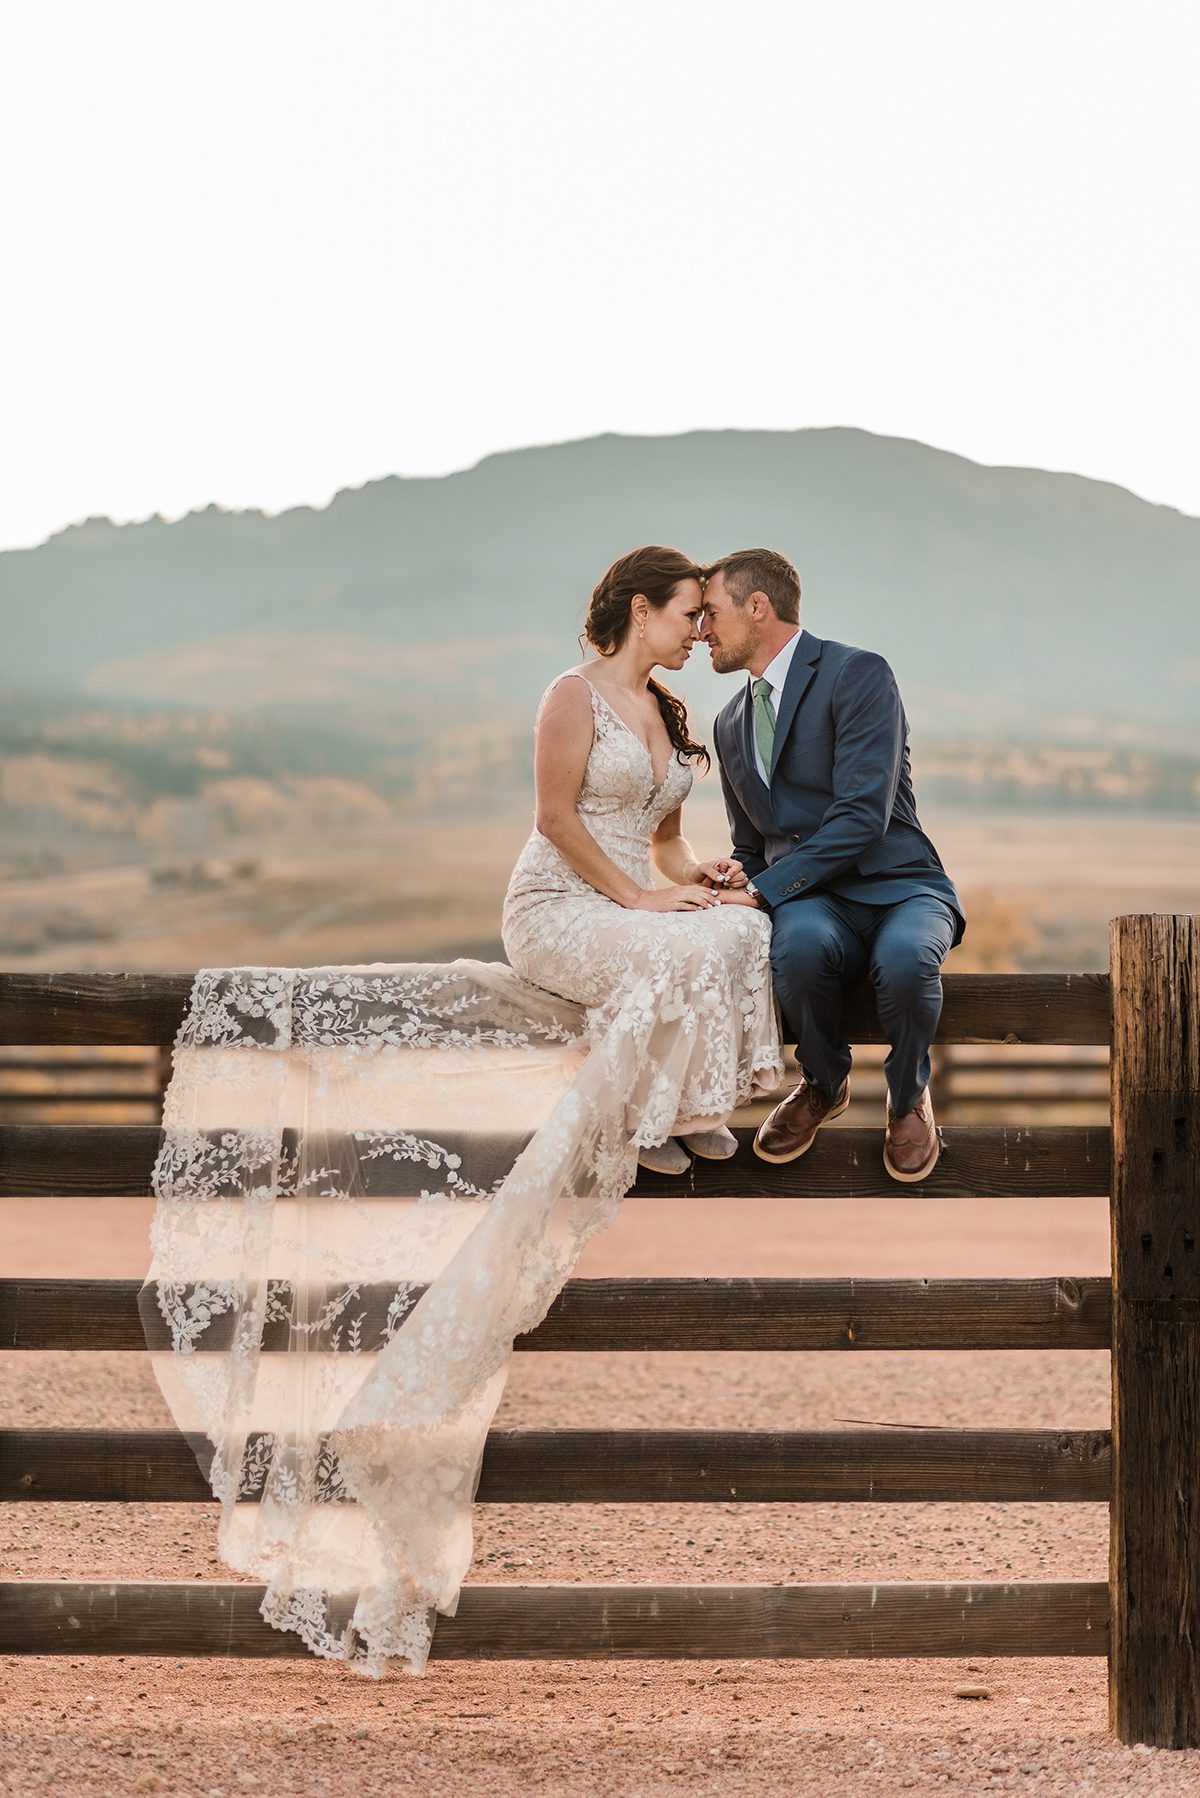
pixel 594 1467
pixel 131 1009
pixel 983 1162
pixel 497 1622
pixel 1146 1618
pixel 648 1314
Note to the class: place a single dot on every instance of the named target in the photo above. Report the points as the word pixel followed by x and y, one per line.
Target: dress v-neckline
pixel 657 785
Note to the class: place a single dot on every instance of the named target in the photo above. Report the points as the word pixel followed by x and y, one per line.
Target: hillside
pixel 1005 598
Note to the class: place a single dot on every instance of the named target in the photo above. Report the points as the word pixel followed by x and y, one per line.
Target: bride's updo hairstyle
pixel 655 572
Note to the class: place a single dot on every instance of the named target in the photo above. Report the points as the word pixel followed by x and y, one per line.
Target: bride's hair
pixel 656 572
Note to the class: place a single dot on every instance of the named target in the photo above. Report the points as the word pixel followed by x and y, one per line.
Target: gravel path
pixel 220 1728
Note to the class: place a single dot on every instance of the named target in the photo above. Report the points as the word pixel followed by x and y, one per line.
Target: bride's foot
pixel 713 1145
pixel 664 1158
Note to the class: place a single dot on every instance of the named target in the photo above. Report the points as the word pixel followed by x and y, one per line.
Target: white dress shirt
pixel 776 672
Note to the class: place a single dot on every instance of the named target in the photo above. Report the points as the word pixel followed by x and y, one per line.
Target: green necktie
pixel 764 721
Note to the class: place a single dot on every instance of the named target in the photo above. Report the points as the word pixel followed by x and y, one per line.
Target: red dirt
pixel 76 1725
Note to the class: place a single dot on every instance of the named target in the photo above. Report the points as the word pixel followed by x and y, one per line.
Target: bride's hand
pixel 724 873
pixel 680 898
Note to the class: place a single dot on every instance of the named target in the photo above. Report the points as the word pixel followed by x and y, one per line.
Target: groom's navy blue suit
pixel 833 843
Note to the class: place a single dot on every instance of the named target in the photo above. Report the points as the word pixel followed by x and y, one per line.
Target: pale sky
pixel 256 252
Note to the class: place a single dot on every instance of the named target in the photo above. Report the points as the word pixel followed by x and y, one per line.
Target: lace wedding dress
pixel 372 1178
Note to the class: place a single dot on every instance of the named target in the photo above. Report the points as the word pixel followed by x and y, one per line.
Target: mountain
pixel 1005 598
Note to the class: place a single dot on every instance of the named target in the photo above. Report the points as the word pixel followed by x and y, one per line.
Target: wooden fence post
pixel 1154 1655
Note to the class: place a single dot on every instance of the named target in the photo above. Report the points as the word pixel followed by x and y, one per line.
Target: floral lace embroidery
pixel 372 1179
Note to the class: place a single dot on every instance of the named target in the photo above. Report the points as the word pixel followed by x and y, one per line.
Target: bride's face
pixel 671 630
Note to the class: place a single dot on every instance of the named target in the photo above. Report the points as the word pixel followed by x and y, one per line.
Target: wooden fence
pixel 1146 1617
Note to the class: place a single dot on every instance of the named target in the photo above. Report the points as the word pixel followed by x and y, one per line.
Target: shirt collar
pixel 776 669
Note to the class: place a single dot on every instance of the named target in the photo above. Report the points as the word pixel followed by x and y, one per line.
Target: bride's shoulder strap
pixel 558 682
pixel 571 674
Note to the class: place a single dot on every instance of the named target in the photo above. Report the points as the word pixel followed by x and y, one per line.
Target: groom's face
pixel 727 628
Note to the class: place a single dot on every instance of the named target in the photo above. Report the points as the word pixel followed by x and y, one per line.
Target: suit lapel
pixel 800 673
pixel 739 722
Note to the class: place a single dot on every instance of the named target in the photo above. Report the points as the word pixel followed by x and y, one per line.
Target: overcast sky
pixel 256 252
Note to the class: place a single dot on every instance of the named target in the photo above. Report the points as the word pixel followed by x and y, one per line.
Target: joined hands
pixel 724 873
pixel 720 882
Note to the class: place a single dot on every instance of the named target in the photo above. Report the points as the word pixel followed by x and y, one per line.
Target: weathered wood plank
pixel 621 1466
pixel 590 1622
pixel 1154 1671
pixel 113 1009
pixel 992 1161
pixel 649 1314
pixel 148 1008
pixel 65 1160
pixel 79 1096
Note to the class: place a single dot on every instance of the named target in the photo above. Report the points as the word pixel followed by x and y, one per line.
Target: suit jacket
pixel 837 815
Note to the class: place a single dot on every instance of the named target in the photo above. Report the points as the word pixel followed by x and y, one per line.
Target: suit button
pixel 795 838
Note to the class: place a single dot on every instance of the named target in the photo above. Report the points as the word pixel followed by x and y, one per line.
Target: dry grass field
pixel 1040 887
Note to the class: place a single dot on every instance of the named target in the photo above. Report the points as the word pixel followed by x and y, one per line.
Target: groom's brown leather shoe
pixel 911 1144
pixel 792 1127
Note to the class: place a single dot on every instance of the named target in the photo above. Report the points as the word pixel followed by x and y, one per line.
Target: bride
pixel 372 1179
pixel 611 773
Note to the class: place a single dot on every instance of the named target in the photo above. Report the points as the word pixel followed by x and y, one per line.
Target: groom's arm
pixel 868 757
pixel 748 845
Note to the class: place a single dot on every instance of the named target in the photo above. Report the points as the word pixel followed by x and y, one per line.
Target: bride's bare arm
pixel 674 857
pixel 671 851
pixel 562 745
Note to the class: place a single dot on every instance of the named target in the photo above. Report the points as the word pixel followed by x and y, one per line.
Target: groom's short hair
pixel 749 571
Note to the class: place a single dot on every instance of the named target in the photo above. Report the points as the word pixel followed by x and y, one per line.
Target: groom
pixel 814 763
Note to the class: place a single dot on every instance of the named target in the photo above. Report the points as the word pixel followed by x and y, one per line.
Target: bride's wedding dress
pixel 372 1178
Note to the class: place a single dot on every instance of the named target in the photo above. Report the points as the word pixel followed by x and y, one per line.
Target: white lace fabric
pixel 372 1179
pixel 702 977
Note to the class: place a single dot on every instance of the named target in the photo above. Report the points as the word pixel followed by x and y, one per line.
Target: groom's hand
pixel 725 874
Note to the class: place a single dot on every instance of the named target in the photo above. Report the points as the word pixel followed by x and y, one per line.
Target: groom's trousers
pixel 821 944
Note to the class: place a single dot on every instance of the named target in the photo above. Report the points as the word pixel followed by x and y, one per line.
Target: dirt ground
pixel 83 1725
